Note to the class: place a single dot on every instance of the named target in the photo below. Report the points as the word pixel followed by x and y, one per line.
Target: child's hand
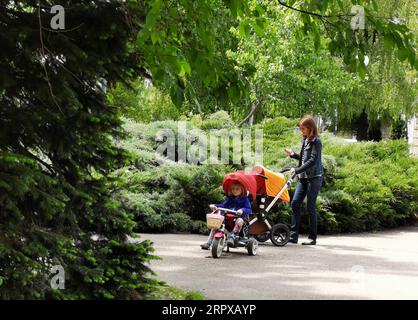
pixel 213 207
pixel 240 212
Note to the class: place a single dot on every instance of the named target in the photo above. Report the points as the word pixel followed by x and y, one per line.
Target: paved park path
pixel 382 265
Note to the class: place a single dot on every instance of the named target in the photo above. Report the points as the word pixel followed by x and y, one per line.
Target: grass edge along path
pixel 166 292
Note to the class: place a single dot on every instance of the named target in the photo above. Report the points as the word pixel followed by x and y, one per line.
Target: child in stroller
pixel 265 188
pixel 237 200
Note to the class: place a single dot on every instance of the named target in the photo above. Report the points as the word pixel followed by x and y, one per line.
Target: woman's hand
pixel 289 152
pixel 213 207
pixel 240 212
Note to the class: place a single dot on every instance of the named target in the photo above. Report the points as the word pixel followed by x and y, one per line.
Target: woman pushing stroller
pixel 237 200
pixel 310 171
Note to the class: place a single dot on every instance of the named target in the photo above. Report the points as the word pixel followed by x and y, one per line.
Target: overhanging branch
pixel 313 13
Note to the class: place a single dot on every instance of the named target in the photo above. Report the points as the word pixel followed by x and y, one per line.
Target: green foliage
pixel 168 197
pixel 330 166
pixel 388 89
pixel 142 102
pixel 217 120
pixel 279 133
pixel 292 77
pixel 56 153
pixel 295 73
pixel 185 42
pixel 374 186
pixel 399 129
pixel 276 59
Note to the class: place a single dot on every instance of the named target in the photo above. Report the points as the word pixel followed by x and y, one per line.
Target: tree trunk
pixel 251 121
pixel 385 132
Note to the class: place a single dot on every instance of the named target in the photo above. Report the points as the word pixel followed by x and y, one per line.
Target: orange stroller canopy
pixel 272 185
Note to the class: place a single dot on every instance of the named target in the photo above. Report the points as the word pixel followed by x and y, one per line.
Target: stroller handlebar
pixel 286 170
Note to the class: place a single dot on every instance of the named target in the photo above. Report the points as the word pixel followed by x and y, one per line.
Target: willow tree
pixel 292 77
pixel 182 47
pixel 389 90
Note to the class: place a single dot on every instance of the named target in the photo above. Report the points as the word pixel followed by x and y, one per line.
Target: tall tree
pixel 292 78
pixel 57 149
pixel 389 89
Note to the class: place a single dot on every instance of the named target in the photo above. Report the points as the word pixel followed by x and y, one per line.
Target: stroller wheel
pixel 262 237
pixel 280 234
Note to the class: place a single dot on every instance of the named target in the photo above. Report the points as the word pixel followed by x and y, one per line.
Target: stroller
pixel 265 189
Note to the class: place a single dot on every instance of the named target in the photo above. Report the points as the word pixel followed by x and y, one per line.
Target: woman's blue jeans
pixel 309 188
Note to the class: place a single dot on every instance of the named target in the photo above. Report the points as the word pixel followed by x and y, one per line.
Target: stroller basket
pixel 214 221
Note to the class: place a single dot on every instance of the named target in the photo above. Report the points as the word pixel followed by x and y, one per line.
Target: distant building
pixel 413 135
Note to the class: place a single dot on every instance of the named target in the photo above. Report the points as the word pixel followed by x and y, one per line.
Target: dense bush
pixel 217 120
pixel 171 197
pixel 379 189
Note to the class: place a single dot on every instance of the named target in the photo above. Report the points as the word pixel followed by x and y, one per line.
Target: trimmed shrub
pixel 163 197
pixel 217 120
